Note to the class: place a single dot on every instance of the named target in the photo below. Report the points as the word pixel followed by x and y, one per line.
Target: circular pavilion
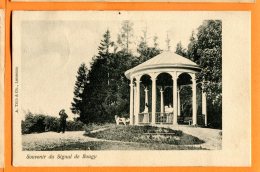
pixel 155 87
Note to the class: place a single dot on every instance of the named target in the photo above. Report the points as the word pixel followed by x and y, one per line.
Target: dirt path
pixel 212 137
pixel 38 140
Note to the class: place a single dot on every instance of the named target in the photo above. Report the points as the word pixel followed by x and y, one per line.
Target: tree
pixel 192 49
pixel 125 35
pixel 210 51
pixel 155 43
pixel 77 104
pixel 104 51
pixel 145 51
pixel 206 50
pixel 142 46
pixel 105 44
pixel 99 80
pixel 180 50
pixel 117 99
pixel 105 94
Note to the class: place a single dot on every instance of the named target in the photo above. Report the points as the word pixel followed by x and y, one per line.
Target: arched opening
pixel 168 99
pixel 185 99
pixel 145 99
pixel 164 98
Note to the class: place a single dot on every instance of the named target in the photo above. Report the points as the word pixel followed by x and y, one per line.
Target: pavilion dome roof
pixel 166 59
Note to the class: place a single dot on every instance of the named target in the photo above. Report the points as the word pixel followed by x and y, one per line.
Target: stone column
pixel 174 79
pixel 131 102
pixel 194 100
pixel 146 109
pixel 134 120
pixel 162 102
pixel 137 107
pixel 153 77
pixel 146 95
pixel 179 103
pixel 204 106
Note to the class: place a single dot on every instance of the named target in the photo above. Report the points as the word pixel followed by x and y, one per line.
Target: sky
pixel 52 50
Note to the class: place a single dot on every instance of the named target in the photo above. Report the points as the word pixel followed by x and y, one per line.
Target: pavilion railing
pixel 164 118
pixel 145 118
pixel 167 118
pixel 160 118
pixel 186 120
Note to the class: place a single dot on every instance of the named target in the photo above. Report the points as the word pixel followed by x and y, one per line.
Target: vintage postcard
pixel 139 88
pixel 2 70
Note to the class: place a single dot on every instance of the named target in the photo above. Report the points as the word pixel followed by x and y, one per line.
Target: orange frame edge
pixel 138 6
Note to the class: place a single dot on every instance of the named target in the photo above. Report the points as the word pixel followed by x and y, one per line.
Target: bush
pixel 33 123
pixel 51 123
pixel 38 123
pixel 75 126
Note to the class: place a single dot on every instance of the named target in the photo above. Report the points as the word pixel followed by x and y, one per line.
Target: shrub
pixel 33 123
pixel 51 123
pixel 38 123
pixel 75 126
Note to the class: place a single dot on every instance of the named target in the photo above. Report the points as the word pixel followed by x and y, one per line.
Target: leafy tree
pixel 180 50
pixel 210 51
pixel 206 50
pixel 77 104
pixel 192 49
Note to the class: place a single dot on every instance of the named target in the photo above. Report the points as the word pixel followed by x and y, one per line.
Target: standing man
pixel 63 117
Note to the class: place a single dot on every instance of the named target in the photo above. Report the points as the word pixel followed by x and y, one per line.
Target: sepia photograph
pixel 89 84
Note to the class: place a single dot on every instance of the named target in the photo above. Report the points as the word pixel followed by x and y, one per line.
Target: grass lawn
pixel 146 134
